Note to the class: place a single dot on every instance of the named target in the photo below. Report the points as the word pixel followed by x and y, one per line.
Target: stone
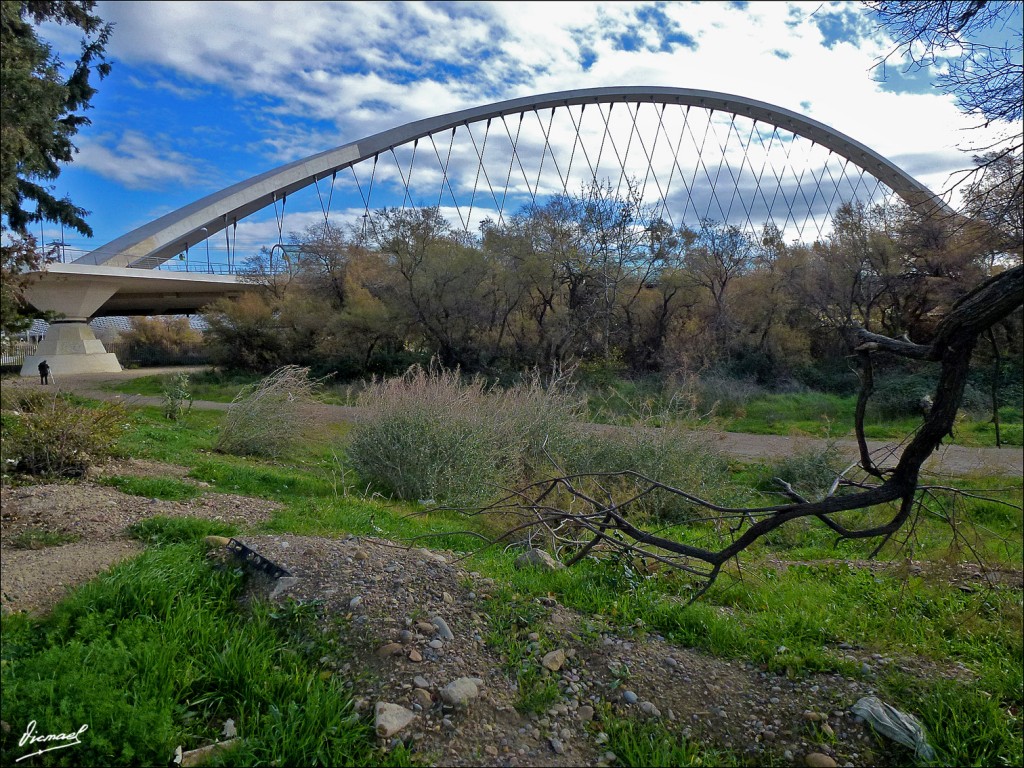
pixel 557 746
pixel 361 555
pixel 425 554
pixel 282 585
pixel 649 709
pixel 203 754
pixel 425 627
pixel 629 697
pixel 389 718
pixel 586 713
pixel 355 602
pixel 423 698
pixel 819 760
pixel 459 692
pixel 554 660
pixel 447 598
pixel 415 656
pixel 491 750
pixel 442 628
pixel 391 649
pixel 420 682
pixel 436 644
pixel 538 558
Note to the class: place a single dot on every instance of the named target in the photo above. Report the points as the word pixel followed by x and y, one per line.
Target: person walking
pixel 44 373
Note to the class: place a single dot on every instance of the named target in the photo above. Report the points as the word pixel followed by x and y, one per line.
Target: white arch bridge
pixel 691 155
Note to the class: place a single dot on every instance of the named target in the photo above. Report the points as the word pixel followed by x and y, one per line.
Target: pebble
pixel 421 682
pixel 405 636
pixel 425 628
pixel 459 692
pixel 649 709
pixel 442 628
pixel 390 649
pixel 491 750
pixel 629 697
pixel 436 644
pixel 389 718
pixel 819 760
pixel 586 713
pixel 554 660
pixel 557 746
pixel 422 697
pixel 415 656
pixel 355 602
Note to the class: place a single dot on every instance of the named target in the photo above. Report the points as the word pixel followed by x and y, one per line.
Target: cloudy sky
pixel 206 94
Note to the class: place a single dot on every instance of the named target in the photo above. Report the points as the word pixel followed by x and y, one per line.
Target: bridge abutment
pixel 69 348
pixel 70 345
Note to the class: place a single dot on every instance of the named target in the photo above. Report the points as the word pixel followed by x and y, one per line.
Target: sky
pixel 203 95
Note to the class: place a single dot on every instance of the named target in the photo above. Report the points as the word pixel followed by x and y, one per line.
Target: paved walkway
pixel 952 460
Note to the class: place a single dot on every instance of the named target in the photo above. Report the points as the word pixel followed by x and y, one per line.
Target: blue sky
pixel 206 94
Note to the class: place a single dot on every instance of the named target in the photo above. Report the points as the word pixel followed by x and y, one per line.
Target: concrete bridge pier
pixel 70 345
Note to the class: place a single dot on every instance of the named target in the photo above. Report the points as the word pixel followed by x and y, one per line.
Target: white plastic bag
pixel 898 726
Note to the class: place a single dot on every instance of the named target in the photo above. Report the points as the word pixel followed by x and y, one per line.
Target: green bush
pixel 809 473
pixel 269 417
pixel 899 395
pixel 668 455
pixel 431 435
pixel 49 435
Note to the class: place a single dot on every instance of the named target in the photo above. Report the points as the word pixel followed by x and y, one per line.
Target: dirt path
pixel 952 460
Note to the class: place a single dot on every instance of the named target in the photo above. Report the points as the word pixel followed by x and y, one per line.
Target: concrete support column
pixel 70 345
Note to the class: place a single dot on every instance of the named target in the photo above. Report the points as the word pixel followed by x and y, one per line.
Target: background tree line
pixel 598 278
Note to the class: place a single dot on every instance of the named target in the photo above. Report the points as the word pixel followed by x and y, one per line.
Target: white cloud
pixel 328 73
pixel 133 160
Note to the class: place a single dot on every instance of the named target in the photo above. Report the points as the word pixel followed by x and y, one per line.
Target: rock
pixel 389 719
pixel 442 628
pixel 282 585
pixel 425 627
pixel 819 760
pixel 538 558
pixel 361 555
pixel 649 709
pixel 629 697
pixel 436 644
pixel 447 598
pixel 426 554
pixel 420 682
pixel 586 713
pixel 405 636
pixel 459 692
pixel 814 717
pixel 355 602
pixel 557 746
pixel 391 649
pixel 423 698
pixel 533 637
pixel 491 750
pixel 554 660
pixel 203 754
pixel 415 656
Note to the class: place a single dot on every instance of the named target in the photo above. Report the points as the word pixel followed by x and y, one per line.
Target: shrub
pixel 809 473
pixel 899 395
pixel 177 395
pixel 724 395
pixel 430 435
pixel 269 417
pixel 668 455
pixel 47 434
pixel 156 341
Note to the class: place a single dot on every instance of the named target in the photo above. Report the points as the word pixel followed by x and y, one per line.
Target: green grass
pixel 161 531
pixel 215 387
pixel 810 609
pixel 37 538
pixel 823 415
pixel 157 654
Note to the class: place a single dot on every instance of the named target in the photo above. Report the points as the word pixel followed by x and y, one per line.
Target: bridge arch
pixel 162 239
